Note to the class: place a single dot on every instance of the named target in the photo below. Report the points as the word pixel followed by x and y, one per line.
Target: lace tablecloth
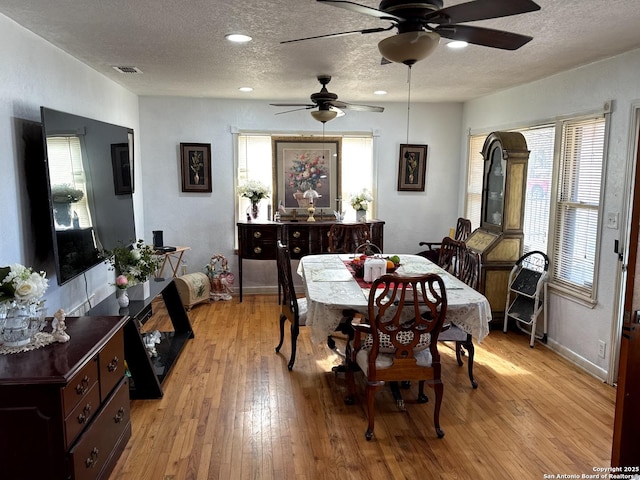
pixel 330 289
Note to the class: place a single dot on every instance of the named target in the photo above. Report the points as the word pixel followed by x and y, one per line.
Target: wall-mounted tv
pixel 90 179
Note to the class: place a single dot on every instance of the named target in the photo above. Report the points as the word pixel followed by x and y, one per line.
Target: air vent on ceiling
pixel 128 69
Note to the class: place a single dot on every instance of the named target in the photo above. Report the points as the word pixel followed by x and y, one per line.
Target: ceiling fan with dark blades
pixel 420 24
pixel 327 104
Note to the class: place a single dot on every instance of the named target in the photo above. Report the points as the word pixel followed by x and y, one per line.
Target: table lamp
pixel 311 194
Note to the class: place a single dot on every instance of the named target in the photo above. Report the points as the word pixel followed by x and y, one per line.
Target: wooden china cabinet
pixel 499 240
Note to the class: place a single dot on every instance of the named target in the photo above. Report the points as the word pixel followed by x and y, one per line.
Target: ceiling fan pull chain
pixel 408 100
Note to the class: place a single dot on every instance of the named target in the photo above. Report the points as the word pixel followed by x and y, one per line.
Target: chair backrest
pixel 463 229
pixel 406 315
pixel 345 237
pixel 289 304
pixel 469 266
pixel 450 253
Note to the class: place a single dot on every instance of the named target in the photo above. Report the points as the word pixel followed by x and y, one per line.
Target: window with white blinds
pixel 573 247
pixel 578 206
pixel 64 155
pixel 255 162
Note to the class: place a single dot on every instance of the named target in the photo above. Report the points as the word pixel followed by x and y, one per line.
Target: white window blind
pixel 64 155
pixel 578 207
pixel 474 180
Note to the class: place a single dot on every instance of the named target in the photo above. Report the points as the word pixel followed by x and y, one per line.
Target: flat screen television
pixel 90 180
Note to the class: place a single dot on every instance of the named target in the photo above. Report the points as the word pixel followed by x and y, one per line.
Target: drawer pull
pixel 93 459
pixel 257 234
pixel 296 234
pixel 297 249
pixel 257 250
pixel 112 366
pixel 83 386
pixel 119 416
pixel 86 412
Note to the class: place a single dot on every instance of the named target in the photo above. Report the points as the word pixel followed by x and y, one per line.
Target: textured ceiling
pixel 179 46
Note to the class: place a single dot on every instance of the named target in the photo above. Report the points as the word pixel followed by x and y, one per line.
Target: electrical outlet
pixel 612 220
pixel 602 348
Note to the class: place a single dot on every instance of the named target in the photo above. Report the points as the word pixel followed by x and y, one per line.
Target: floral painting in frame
pixel 195 165
pixel 303 163
pixel 412 168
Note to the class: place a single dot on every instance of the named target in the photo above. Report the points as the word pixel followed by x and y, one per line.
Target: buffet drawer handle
pixel 257 250
pixel 296 234
pixel 83 386
pixel 112 366
pixel 257 234
pixel 93 459
pixel 119 416
pixel 86 412
pixel 297 250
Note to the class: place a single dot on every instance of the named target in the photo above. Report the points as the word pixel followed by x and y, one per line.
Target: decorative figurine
pixel 59 327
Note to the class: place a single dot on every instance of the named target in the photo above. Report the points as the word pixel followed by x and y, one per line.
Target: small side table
pixel 173 259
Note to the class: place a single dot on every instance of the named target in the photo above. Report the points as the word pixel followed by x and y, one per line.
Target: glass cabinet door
pixel 495 169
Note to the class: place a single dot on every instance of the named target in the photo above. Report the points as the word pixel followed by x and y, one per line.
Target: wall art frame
pixel 195 166
pixel 122 164
pixel 412 168
pixel 300 163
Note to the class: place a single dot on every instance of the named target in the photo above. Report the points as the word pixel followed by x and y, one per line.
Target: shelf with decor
pixel 148 371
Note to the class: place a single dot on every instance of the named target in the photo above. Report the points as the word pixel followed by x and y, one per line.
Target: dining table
pixel 331 288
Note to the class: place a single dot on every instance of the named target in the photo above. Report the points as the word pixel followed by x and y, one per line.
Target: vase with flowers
pixel 307 172
pixel 136 263
pixel 255 191
pixel 360 203
pixel 121 291
pixel 22 312
pixel 62 196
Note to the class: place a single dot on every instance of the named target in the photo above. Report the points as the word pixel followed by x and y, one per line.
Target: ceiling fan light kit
pixel 409 47
pixel 324 115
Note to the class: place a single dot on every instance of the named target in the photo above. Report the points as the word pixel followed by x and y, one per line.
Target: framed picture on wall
pixel 122 163
pixel 195 165
pixel 303 163
pixel 412 168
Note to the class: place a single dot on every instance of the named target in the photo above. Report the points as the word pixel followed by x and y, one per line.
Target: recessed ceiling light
pixel 246 89
pixel 238 38
pixel 457 44
pixel 380 92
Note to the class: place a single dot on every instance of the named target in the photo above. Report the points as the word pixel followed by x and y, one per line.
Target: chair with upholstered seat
pixel 469 266
pixel 292 308
pixel 463 230
pixel 399 343
pixel 346 237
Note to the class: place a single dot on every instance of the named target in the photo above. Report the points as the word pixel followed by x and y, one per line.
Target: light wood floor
pixel 232 410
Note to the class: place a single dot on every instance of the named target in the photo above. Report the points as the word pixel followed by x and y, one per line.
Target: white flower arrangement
pixel 20 285
pixel 254 190
pixel 361 200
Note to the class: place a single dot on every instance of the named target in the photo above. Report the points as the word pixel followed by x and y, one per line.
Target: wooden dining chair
pixel 469 267
pixel 450 253
pixel 291 308
pixel 463 230
pixel 399 342
pixel 346 237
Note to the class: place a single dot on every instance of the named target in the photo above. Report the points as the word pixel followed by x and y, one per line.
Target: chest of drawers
pixel 64 408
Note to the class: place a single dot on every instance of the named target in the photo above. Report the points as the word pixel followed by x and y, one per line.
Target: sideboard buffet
pixel 64 408
pixel 258 240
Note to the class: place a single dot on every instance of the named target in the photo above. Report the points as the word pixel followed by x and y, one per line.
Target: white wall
pixel 205 222
pixel 574 329
pixel 34 74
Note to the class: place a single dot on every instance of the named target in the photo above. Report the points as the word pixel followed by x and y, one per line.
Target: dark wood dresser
pixel 257 240
pixel 64 408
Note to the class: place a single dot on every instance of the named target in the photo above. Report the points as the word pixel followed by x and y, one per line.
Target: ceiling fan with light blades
pixel 327 104
pixel 420 24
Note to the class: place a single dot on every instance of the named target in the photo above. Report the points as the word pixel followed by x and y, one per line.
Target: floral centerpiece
pixel 22 312
pixel 135 264
pixel 360 203
pixel 63 195
pixel 307 171
pixel 255 191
